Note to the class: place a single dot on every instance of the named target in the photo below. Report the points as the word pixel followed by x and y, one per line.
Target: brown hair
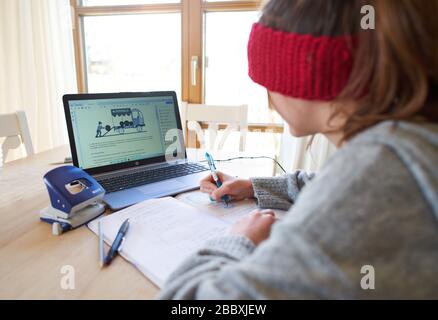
pixel 395 71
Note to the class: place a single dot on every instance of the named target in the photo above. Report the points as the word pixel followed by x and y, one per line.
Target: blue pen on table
pixel 117 242
pixel 226 199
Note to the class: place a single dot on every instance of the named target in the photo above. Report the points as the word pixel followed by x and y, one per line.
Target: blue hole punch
pixel 75 197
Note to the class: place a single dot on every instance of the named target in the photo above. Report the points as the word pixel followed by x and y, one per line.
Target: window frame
pixel 192 40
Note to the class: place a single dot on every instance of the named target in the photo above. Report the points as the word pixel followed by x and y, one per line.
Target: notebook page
pixel 162 233
pixel 234 212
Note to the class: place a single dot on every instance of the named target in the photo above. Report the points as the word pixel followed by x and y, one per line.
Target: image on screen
pixel 112 131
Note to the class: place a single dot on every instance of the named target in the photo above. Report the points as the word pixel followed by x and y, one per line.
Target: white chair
pixel 235 118
pixel 15 129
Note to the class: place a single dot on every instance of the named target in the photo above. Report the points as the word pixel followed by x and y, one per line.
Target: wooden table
pixel 31 258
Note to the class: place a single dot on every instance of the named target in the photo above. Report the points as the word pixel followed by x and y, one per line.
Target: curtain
pixel 37 66
pixel 296 155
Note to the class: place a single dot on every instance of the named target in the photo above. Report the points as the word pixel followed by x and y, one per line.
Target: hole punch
pixel 75 187
pixel 76 198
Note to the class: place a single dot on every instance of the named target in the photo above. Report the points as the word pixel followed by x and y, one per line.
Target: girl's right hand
pixel 237 189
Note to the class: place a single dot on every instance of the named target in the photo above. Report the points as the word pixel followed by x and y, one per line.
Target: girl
pixel 367 225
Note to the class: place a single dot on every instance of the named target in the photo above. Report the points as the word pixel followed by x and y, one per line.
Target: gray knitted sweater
pixel 365 227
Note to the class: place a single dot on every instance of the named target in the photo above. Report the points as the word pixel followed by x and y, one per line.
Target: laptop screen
pixel 113 131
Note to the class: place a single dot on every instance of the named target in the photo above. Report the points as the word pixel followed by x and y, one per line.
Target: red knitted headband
pixel 299 66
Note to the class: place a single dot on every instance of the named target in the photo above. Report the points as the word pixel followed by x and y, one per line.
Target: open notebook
pixel 163 232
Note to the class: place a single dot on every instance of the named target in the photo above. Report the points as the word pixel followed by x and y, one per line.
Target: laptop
pixel 132 144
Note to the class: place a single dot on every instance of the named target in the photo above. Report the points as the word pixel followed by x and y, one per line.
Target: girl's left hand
pixel 256 226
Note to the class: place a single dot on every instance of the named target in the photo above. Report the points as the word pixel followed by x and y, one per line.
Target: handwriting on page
pixel 162 233
pixel 231 214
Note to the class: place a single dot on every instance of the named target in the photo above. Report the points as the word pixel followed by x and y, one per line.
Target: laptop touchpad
pixel 161 187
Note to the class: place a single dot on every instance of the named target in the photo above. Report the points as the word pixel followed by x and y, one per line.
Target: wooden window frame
pixel 192 40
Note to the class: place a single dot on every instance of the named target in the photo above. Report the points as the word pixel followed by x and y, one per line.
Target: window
pixel 226 70
pixel 195 47
pixel 124 2
pixel 118 58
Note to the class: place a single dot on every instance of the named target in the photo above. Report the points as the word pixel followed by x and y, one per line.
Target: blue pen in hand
pixel 210 161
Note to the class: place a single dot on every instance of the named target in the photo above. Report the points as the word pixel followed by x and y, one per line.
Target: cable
pixel 250 158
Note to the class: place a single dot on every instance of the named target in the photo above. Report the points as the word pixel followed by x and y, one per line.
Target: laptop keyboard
pixel 149 176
